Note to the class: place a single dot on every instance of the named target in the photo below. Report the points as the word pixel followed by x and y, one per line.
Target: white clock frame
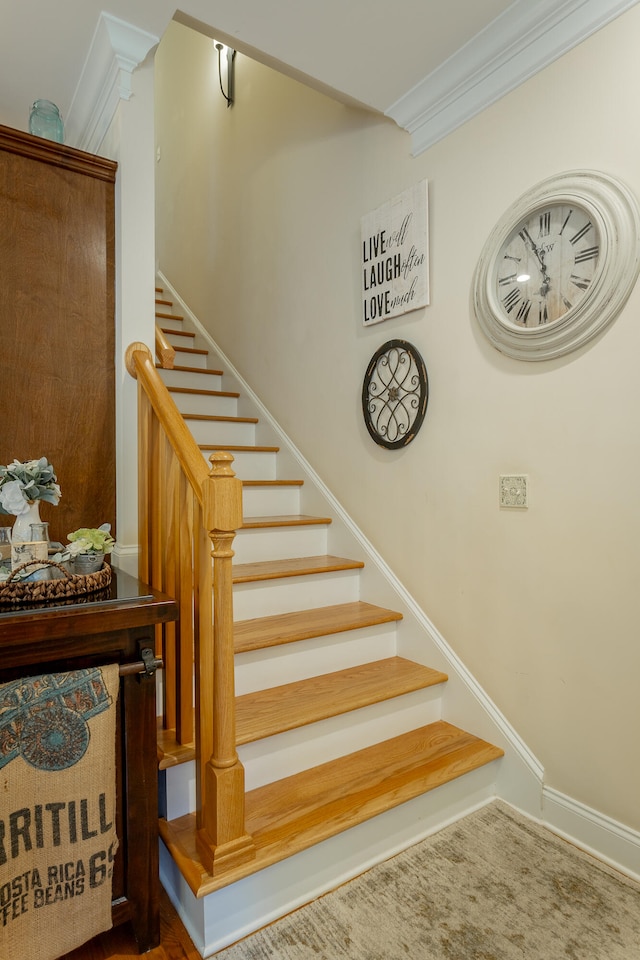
pixel 616 215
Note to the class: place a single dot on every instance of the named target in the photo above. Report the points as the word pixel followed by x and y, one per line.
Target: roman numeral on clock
pixel 523 313
pixel 590 253
pixel 545 224
pixel 566 221
pixel 525 236
pixel 581 282
pixel 581 233
pixel 511 299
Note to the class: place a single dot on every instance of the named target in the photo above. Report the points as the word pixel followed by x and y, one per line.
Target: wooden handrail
pixel 165 351
pixel 188 516
pixel 140 365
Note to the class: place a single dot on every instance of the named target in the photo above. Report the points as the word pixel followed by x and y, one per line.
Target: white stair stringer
pixel 227 914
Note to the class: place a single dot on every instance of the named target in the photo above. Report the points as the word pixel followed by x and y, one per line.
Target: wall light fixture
pixel 228 55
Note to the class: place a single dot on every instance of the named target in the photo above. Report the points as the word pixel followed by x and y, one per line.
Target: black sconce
pixel 229 56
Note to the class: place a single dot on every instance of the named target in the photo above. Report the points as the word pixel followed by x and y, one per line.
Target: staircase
pixel 346 754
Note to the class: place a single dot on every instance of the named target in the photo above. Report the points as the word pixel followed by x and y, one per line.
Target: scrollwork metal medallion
pixel 395 393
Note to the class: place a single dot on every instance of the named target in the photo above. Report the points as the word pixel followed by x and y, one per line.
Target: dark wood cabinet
pixel 118 628
pixel 57 329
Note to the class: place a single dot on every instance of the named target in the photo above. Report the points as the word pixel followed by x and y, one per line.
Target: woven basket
pixel 43 591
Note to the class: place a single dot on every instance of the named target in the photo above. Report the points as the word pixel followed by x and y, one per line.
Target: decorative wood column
pixel 222 839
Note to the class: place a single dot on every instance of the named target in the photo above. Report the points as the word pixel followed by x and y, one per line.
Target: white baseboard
pixel 126 558
pixel 614 843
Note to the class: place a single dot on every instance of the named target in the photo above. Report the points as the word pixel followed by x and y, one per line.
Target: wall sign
pixel 395 256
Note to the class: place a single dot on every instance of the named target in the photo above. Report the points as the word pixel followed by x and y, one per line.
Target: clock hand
pixel 546 280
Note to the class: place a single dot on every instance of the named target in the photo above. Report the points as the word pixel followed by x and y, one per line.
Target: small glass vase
pixel 5 545
pixel 45 121
pixel 40 532
pixel 22 527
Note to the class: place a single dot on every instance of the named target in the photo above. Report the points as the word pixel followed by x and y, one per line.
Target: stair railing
pixel 188 516
pixel 165 351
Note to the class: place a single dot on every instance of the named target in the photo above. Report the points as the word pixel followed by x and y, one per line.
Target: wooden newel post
pixel 222 838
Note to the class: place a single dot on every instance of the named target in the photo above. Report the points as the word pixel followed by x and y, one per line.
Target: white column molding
pixel 523 40
pixel 117 48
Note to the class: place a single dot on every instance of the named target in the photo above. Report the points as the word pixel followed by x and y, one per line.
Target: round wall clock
pixel 395 393
pixel 558 266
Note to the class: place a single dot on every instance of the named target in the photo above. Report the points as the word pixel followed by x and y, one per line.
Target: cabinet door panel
pixel 57 328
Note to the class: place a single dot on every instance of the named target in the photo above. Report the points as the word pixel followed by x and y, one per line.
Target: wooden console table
pixel 117 629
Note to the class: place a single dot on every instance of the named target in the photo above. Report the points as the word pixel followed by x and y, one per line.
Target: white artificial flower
pixel 12 499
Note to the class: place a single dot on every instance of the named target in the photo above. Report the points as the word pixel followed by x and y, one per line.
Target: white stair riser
pixel 184 359
pixel 169 323
pixel 178 790
pixel 251 465
pixel 222 431
pixel 261 669
pixel 206 403
pixel 269 597
pixel 266 501
pixel 195 381
pixel 250 904
pixel 279 543
pixel 180 338
pixel 287 753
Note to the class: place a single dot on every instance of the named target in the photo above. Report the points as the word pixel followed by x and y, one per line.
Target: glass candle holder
pixel 40 532
pixel 5 544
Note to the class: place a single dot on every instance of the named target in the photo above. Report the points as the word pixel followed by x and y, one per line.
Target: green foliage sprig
pixel 92 538
pixel 22 483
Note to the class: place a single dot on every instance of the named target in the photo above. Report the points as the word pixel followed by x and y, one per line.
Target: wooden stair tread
pixel 272 483
pixel 192 350
pixel 178 333
pixel 293 567
pixel 205 370
pixel 270 631
pixel 295 813
pixel 168 316
pixel 383 767
pixel 207 416
pixel 206 393
pixel 292 705
pixel 288 520
pixel 170 752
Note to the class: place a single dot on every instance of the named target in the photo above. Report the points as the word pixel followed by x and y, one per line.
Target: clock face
pixel 559 265
pixel 547 264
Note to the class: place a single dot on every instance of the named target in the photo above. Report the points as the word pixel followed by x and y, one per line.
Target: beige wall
pixel 258 228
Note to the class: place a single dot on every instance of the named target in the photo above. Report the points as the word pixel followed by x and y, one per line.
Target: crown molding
pixel 515 46
pixel 117 48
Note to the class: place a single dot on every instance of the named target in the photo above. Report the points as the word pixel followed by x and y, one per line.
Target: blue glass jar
pixel 45 121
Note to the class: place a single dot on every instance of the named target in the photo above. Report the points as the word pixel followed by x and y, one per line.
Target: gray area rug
pixel 494 886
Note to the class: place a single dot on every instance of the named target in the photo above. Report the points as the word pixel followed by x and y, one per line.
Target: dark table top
pixel 124 604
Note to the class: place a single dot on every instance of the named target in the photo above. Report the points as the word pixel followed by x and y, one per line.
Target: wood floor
pixel 120 944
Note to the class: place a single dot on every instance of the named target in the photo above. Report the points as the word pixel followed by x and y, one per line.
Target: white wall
pixel 130 141
pixel 258 228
